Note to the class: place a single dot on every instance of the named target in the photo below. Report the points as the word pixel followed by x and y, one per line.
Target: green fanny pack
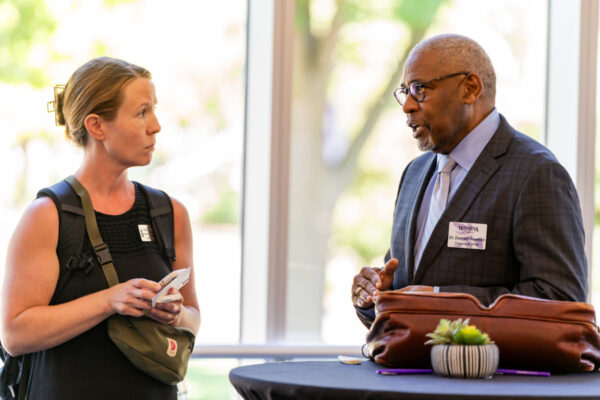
pixel 161 351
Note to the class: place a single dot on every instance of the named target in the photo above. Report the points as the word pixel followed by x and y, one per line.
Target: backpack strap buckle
pixel 102 253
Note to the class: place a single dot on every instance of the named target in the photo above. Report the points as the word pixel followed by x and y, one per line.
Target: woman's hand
pixel 168 313
pixel 133 297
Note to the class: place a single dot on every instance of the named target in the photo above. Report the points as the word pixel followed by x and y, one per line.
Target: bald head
pixel 460 54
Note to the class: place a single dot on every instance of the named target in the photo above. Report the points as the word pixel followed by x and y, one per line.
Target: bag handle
pixel 91 225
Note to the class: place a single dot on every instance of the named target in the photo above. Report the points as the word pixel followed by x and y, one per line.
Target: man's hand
pixel 370 281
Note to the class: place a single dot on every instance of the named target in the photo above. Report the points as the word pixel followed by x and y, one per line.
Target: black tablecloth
pixel 334 380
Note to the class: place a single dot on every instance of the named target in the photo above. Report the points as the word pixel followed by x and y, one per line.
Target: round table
pixel 334 380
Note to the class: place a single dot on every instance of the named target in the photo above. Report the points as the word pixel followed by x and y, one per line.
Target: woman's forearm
pixel 42 327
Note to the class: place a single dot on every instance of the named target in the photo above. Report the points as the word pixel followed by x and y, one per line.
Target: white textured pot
pixel 465 361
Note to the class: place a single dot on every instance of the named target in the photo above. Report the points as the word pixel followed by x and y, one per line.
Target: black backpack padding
pixel 72 222
pixel 12 376
pixel 161 212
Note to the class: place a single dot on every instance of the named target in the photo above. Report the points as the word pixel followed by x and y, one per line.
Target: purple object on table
pixel 521 372
pixel 403 371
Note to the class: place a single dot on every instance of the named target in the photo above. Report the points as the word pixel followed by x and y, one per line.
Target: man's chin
pixel 428 145
pixel 425 145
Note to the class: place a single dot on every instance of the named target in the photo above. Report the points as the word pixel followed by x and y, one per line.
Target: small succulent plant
pixel 457 332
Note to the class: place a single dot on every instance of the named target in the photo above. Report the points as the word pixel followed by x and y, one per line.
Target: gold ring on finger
pixel 357 292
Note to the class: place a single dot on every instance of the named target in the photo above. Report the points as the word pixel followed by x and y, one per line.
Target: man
pixel 486 210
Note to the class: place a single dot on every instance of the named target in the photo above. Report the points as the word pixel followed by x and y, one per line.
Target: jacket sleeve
pixel 367 315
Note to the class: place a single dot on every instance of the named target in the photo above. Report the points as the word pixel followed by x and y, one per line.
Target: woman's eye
pixel 142 113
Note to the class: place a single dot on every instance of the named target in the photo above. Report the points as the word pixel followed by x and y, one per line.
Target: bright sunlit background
pixel 348 148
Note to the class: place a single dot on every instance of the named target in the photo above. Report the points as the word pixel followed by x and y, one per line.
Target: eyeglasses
pixel 417 89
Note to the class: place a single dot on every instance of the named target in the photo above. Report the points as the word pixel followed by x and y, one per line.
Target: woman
pixel 108 109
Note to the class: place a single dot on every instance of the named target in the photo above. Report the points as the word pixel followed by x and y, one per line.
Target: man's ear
pixel 95 126
pixel 473 88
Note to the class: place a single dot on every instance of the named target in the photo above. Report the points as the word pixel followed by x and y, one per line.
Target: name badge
pixel 465 235
pixel 146 233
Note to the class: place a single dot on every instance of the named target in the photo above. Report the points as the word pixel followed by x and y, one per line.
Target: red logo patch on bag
pixel 172 347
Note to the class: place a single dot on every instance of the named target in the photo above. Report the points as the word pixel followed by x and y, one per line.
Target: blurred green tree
pixel 24 25
pixel 25 28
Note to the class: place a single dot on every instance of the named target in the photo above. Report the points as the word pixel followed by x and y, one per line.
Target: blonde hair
pixel 94 88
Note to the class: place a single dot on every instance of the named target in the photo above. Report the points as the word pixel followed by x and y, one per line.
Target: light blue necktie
pixel 437 205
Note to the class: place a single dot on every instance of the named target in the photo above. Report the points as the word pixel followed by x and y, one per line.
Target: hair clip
pixel 52 106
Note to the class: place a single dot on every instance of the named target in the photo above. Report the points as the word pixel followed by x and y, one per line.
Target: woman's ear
pixel 95 126
pixel 473 87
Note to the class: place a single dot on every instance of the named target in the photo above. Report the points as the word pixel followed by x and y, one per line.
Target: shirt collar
pixel 469 149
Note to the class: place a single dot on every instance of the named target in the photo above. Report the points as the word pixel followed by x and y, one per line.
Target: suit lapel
pixel 480 173
pixel 421 184
pixel 410 191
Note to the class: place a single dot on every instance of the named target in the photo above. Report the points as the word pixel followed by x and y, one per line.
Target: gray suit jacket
pixel 535 238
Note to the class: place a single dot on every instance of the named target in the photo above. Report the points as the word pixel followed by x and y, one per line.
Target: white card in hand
pixel 176 280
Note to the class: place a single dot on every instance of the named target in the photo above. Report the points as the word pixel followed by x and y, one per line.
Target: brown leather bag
pixel 532 334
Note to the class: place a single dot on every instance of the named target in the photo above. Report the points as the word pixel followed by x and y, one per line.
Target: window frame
pixel 572 56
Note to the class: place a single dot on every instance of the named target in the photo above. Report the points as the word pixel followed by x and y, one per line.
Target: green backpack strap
pixel 100 248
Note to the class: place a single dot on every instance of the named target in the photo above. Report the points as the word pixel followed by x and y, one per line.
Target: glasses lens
pixel 401 94
pixel 417 90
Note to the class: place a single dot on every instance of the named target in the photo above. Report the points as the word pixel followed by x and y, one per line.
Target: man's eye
pixel 418 88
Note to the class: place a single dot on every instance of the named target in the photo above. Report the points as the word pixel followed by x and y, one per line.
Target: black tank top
pixel 90 366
